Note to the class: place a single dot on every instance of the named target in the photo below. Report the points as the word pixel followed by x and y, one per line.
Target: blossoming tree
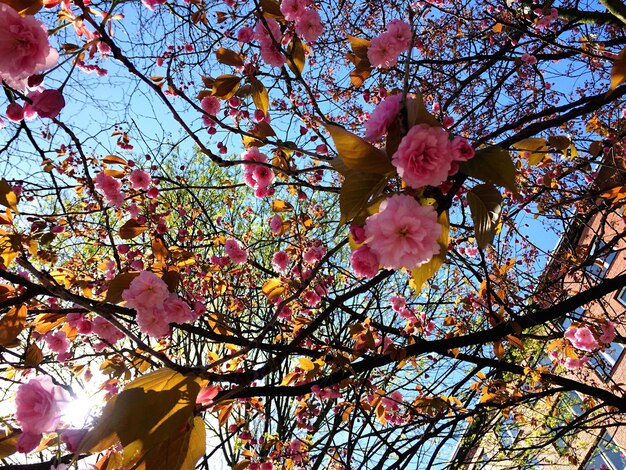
pixel 304 234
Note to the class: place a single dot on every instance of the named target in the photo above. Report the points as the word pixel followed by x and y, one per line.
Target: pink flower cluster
pixel 426 156
pixel 109 187
pixel 258 177
pixel 211 105
pixel 24 47
pixel 45 104
pixel 269 38
pixel 582 338
pixel 235 251
pixel 382 117
pixel 39 404
pixel 156 307
pixel 140 180
pixel 385 48
pixel 308 22
pixel 403 234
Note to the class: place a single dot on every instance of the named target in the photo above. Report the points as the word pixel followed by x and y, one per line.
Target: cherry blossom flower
pixel 382 117
pixel 383 51
pixel 235 251
pixel 280 261
pixel 276 224
pixel 293 9
pixel 401 32
pixel 309 25
pixel 140 179
pixel 392 401
pixel 57 341
pixel 364 262
pixel 39 404
pixel 24 47
pixel 109 187
pixel 581 338
pixel 15 112
pixel 146 291
pixel 106 331
pixel 404 233
pixel 424 156
pixel 48 103
pixel 245 34
pixel 608 332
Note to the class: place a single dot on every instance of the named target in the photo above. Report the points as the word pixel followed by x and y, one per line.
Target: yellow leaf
pixel 421 274
pixel 33 356
pixel 259 95
pixel 357 154
pixel 356 191
pixel 359 46
pixel 417 113
pixel 534 149
pixel 131 229
pixel 485 204
pixel 7 196
pixel 180 452
pixel 618 72
pixel 296 55
pixel 498 349
pixel 7 443
pixel 271 8
pixel 150 410
pixel 306 364
pixel 229 57
pixel 278 205
pixel 114 160
pixel 10 247
pixel 492 165
pixel 273 288
pixel 12 324
pixel 225 86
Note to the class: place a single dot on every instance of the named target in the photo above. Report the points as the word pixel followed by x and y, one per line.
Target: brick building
pixel 543 436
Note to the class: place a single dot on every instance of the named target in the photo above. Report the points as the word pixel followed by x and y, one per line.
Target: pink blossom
pixel 529 59
pixel 358 234
pixel 72 437
pixel 382 117
pixel 404 233
pixel 39 404
pixel 245 34
pixel 206 395
pixel 608 332
pixel 398 303
pixel 311 299
pixel 269 35
pixel 211 105
pixel 14 112
pixel 106 331
pixel 573 364
pixel 153 321
pixel 309 25
pixel 276 224
pixel 313 254
pixel 235 251
pixel 48 103
pixel 401 32
pixel 24 47
pixel 280 261
pixel 109 187
pixel 392 401
pixel 177 311
pixel 27 442
pixel 581 338
pixel 271 55
pixel 150 4
pixel 293 9
pixel 263 176
pixel 424 156
pixel 146 291
pixel 364 262
pixel 140 179
pixel 462 149
pixel 57 341
pixel 383 51
pixel 325 393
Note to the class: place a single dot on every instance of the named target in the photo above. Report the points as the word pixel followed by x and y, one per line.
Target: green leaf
pixel 152 409
pixel 492 165
pixel 485 203
pixel 7 196
pixel 423 273
pixel 358 154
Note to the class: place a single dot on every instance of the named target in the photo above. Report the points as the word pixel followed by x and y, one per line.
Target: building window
pixel 622 296
pixel 603 262
pixel 606 455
